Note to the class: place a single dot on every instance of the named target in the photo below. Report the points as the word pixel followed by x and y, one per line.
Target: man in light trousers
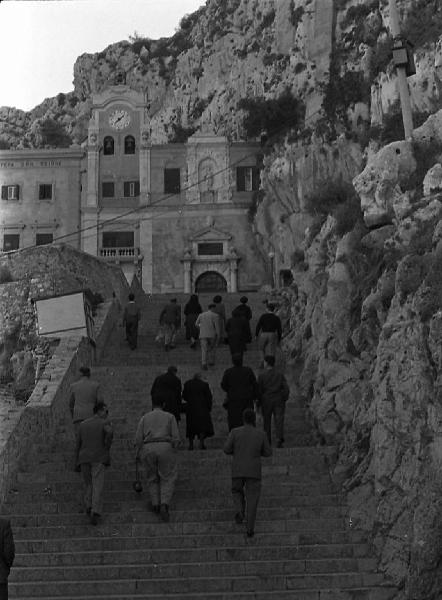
pixel 209 326
pixel 156 438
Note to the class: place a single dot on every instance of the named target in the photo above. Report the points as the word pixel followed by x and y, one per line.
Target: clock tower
pixel 117 185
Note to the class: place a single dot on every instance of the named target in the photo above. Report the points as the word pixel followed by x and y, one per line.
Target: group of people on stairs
pixel 210 327
pixel 157 435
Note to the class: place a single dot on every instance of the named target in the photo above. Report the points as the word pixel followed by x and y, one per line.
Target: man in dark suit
pixel 166 389
pixel 7 555
pixel 131 317
pixel 84 396
pixel 93 443
pixel 247 445
pixel 273 393
pixel 239 383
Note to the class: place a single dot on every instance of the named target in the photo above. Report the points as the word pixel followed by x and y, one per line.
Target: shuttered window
pixel 129 144
pixel 10 192
pixel 118 239
pixel 247 179
pixel 45 191
pixel 44 238
pixel 11 241
pixel 172 181
pixel 108 145
pixel 108 189
pixel 131 189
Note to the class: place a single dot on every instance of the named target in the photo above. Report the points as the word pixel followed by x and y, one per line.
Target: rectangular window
pixel 210 249
pixel 11 241
pixel 41 239
pixel 247 179
pixel 45 191
pixel 172 181
pixel 118 239
pixel 108 189
pixel 131 189
pixel 10 192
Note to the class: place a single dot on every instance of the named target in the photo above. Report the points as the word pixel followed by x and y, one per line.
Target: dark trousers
pixel 246 492
pixel 4 591
pixel 132 333
pixel 275 408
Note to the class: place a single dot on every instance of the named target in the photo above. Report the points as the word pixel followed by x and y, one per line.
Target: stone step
pixel 366 593
pixel 138 585
pixel 195 555
pixel 142 515
pixel 178 528
pixel 138 502
pixel 54 472
pixel 226 569
pixel 183 496
pixel 96 540
pixel 65 489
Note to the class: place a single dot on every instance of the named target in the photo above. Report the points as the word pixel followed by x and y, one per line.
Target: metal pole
pixel 407 115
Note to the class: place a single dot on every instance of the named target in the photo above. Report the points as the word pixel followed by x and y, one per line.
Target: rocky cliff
pixel 352 215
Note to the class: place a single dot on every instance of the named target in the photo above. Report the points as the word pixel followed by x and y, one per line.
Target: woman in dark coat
pixel 237 329
pixel 198 398
pixel 245 311
pixel 191 312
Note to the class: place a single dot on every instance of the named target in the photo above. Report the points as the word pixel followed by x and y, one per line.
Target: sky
pixel 41 39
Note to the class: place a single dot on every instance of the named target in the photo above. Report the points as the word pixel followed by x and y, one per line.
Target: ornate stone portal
pixel 210 252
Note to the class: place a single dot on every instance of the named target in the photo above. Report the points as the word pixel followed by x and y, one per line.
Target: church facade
pixel 175 215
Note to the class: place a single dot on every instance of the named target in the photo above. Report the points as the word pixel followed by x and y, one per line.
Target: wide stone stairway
pixel 303 549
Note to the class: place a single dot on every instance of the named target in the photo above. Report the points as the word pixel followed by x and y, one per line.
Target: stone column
pixel 146 249
pixel 233 264
pixel 90 231
pixel 144 167
pixel 187 266
pixel 93 163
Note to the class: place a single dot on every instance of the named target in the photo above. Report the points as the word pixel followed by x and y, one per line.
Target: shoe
pixel 211 364
pixel 94 518
pixel 164 513
pixel 250 533
pixel 204 367
pixel 239 518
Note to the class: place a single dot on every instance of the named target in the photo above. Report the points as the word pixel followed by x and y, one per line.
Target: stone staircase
pixel 303 549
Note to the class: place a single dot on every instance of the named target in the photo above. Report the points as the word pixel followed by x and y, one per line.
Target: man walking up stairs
pixel 303 547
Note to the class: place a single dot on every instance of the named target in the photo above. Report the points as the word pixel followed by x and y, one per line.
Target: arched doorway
pixel 210 281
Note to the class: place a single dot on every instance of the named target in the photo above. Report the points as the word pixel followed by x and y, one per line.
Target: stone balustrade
pixel 120 253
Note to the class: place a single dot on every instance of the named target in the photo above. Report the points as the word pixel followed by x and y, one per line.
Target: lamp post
pixel 402 58
pixel 272 268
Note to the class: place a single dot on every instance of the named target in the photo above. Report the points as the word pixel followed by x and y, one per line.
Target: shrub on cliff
pixel 273 116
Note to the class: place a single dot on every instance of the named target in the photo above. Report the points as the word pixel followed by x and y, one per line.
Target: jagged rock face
pixel 379 183
pixel 366 338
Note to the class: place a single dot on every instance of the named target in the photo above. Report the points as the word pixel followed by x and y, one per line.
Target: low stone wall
pixel 23 427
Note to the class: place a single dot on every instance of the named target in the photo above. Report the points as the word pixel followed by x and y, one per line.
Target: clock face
pixel 119 119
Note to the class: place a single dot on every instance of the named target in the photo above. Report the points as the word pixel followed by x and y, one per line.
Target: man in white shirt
pixel 156 438
pixel 208 323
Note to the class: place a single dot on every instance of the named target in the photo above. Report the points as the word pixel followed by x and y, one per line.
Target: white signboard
pixel 64 316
